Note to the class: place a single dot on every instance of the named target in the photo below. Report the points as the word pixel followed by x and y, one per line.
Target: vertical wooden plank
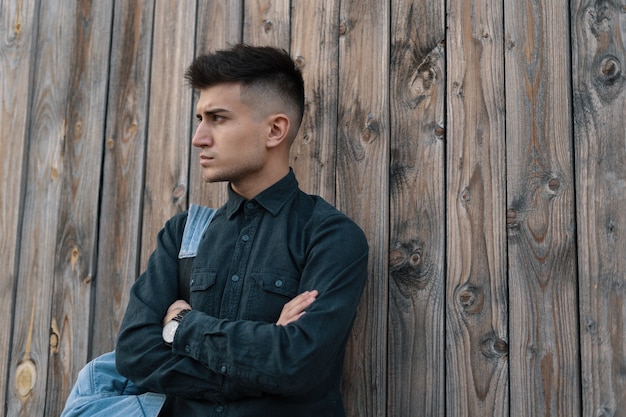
pixel 45 171
pixel 123 171
pixel 598 62
pixel 544 347
pixel 219 24
pixel 476 305
pixel 416 381
pixel 18 27
pixel 167 158
pixel 314 46
pixel 267 22
pixel 362 189
pixel 58 236
pixel 75 247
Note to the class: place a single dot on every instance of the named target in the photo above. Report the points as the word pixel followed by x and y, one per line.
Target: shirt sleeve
pixel 291 359
pixel 141 355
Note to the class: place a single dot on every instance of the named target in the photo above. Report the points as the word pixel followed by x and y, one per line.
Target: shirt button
pixel 279 283
pixel 235 278
pixel 223 369
pixel 250 206
pixel 245 238
pixel 192 281
pixel 219 409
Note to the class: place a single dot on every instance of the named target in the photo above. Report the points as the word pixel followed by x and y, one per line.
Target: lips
pixel 205 160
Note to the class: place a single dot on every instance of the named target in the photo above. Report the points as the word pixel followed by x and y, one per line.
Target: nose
pixel 202 137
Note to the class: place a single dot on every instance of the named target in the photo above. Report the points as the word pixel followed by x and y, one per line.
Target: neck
pixel 250 188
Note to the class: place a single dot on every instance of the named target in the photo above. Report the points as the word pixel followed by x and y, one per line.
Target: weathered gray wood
pixel 17 26
pixel 314 46
pixel 76 230
pixel 543 325
pixel 476 305
pixel 169 133
pixel 45 171
pixel 219 24
pixel 362 188
pixel 123 170
pixel 267 22
pixel 416 382
pixel 58 237
pixel 598 63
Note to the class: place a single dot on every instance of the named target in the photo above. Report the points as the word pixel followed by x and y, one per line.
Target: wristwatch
pixel 169 330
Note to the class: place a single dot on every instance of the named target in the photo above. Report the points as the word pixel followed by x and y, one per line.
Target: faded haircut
pixel 261 69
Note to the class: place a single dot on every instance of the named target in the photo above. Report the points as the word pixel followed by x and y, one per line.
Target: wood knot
pixel 466 196
pixel 25 378
pixel 408 267
pixel 343 27
pixel 440 131
pixel 493 347
pixel 554 184
pixel 179 192
pixel 267 26
pixel 299 61
pixel 471 299
pixel 610 69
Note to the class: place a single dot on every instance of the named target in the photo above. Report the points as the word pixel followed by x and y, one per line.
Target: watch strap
pixel 179 317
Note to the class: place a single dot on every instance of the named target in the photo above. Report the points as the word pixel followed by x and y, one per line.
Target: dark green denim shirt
pixel 228 357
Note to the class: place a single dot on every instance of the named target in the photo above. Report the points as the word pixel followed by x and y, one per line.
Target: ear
pixel 279 125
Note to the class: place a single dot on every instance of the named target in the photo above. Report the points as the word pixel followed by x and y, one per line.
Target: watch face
pixel 169 331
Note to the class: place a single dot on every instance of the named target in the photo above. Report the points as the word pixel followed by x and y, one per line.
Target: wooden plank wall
pixel 480 145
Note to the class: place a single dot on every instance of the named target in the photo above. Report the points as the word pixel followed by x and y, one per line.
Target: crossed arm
pixel 291 311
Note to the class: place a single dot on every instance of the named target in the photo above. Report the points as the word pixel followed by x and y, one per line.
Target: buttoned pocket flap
pixel 202 279
pixel 277 283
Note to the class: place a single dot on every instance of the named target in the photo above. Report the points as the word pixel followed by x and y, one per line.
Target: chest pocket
pixel 204 294
pixel 270 291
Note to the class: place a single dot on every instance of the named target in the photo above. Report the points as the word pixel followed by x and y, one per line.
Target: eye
pixel 198 118
pixel 217 118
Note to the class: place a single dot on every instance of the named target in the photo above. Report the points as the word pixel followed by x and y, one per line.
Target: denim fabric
pixel 100 391
pixel 198 219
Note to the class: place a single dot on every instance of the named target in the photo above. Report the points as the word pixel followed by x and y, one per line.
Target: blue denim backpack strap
pixel 198 219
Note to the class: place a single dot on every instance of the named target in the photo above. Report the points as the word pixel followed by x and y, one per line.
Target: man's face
pixel 230 136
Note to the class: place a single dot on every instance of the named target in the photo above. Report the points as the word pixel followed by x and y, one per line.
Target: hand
pixel 176 307
pixel 295 308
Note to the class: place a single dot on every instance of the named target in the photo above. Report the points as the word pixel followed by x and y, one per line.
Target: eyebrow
pixel 211 112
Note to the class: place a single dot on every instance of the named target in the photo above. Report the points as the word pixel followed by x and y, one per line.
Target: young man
pixel 278 274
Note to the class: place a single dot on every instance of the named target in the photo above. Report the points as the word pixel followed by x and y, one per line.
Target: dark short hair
pixel 251 66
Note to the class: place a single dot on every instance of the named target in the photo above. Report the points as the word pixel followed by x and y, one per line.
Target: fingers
pixel 295 308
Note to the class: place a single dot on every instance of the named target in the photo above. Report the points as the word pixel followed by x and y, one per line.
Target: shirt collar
pixel 271 199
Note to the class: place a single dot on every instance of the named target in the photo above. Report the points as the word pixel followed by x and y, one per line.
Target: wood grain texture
pixel 50 173
pixel 544 347
pixel 314 46
pixel 219 24
pixel 362 190
pixel 123 170
pixel 476 305
pixel 76 231
pixel 169 133
pixel 417 212
pixel 375 142
pixel 267 22
pixel 598 62
pixel 17 26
